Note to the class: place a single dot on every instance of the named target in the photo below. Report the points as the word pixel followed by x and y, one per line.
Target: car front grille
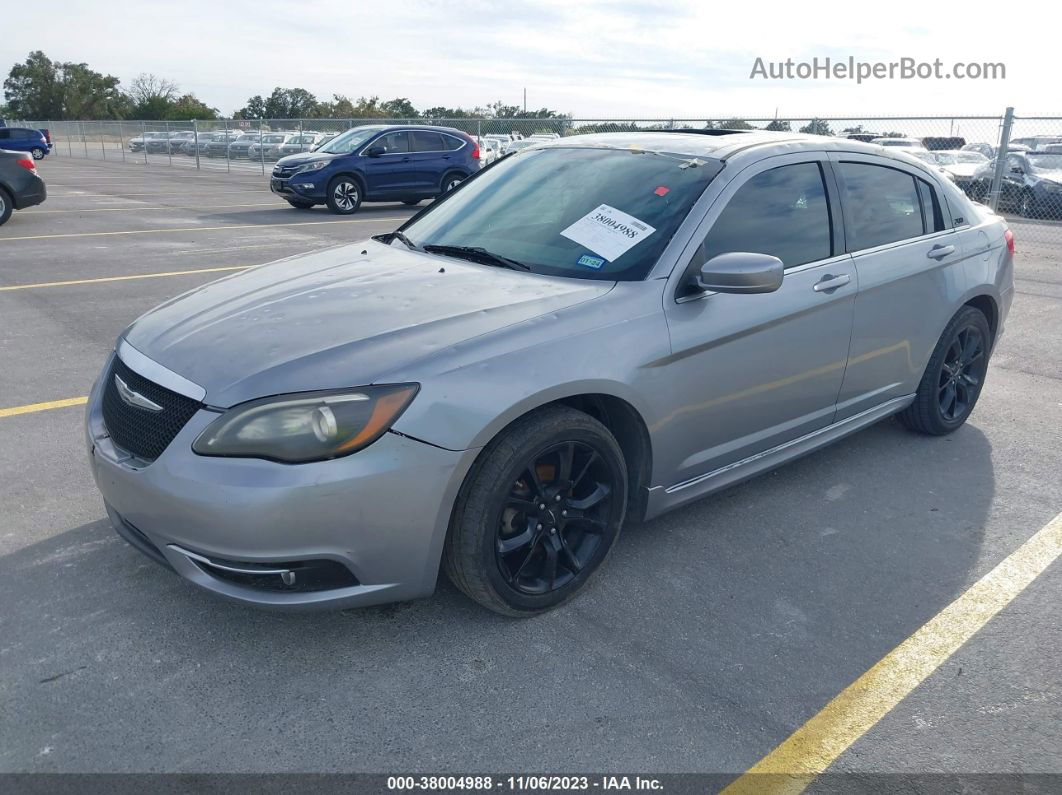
pixel 140 431
pixel 283 172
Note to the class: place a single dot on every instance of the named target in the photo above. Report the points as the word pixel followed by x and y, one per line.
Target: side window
pixel 5 134
pixel 394 143
pixel 932 217
pixel 782 212
pixel 424 141
pixel 452 144
pixel 883 205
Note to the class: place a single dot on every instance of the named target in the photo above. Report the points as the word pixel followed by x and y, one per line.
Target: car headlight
pixel 306 427
pixel 315 165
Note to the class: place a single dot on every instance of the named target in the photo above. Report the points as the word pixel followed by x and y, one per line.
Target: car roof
pixel 719 144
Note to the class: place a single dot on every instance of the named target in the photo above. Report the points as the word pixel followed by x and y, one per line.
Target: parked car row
pixel 233 144
pixel 1031 184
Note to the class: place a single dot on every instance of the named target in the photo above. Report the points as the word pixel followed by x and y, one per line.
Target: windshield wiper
pixel 478 254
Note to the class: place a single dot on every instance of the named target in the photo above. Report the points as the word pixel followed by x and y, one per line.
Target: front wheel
pixel 539 513
pixel 37 152
pixel 954 376
pixel 344 195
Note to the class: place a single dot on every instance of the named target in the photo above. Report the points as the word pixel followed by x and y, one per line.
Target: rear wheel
pixel 451 181
pixel 37 153
pixel 954 376
pixel 539 513
pixel 299 204
pixel 344 195
pixel 6 206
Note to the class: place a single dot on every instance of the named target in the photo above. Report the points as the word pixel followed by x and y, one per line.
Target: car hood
pixel 338 318
pixel 304 157
pixel 964 169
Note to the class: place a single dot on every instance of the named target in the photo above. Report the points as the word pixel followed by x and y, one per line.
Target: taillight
pixel 1009 237
pixel 27 164
pixel 475 150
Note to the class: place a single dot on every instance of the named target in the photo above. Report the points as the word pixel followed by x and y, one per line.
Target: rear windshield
pixel 588 213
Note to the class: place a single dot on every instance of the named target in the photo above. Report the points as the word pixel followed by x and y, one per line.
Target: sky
pixel 590 58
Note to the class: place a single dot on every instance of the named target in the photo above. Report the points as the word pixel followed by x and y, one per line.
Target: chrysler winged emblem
pixel 134 399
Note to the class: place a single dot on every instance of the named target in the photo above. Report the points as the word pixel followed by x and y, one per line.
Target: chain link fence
pixel 1010 162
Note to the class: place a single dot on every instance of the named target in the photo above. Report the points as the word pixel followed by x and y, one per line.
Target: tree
pixel 339 108
pixel 254 109
pixel 735 124
pixel 892 135
pixel 189 107
pixel 816 127
pixel 151 97
pixel 290 103
pixel 399 108
pixel 779 125
pixel 44 89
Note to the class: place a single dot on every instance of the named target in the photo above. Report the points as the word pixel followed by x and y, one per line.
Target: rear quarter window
pixel 883 205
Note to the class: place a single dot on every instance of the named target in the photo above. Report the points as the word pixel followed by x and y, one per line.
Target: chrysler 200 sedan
pixel 592 330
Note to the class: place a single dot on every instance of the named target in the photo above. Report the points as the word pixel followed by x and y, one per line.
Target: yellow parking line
pixel 195 229
pixel 34 211
pixel 816 745
pixel 52 404
pixel 123 278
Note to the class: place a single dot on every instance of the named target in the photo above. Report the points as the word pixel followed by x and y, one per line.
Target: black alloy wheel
pixel 554 518
pixel 538 513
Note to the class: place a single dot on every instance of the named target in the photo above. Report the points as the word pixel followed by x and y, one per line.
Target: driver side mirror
pixel 376 151
pixel 742 272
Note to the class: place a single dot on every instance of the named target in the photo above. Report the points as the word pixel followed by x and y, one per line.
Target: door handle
pixel 829 283
pixel 940 252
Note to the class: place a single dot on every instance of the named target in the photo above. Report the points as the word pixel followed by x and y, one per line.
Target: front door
pixel 751 372
pixel 392 171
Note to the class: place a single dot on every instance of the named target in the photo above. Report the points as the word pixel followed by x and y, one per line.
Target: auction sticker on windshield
pixel 608 232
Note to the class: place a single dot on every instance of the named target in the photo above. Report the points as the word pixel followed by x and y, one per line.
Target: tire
pixel 38 153
pixel 6 206
pixel 344 195
pixel 946 396
pixel 451 181
pixel 410 202
pixel 300 205
pixel 522 572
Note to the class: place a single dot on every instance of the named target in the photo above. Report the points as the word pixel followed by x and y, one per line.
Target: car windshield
pixel 274 139
pixel 971 157
pixel 1045 162
pixel 301 139
pixel 347 142
pixel 583 212
pixel 945 158
pixel 248 137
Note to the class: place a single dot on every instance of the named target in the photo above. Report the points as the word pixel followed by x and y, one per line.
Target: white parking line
pixel 196 229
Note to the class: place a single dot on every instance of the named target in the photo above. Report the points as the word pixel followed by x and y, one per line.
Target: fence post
pixel 261 145
pixel 1001 159
pixel 121 139
pixel 103 146
pixel 69 140
pixel 84 138
pixel 195 138
pixel 228 143
pixel 143 140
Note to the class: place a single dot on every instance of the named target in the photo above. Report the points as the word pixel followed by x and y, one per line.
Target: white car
pixel 932 158
pixel 905 143
pixel 489 151
pixel 516 146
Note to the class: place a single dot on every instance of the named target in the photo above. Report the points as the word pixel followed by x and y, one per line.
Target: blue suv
pixel 377 163
pixel 24 139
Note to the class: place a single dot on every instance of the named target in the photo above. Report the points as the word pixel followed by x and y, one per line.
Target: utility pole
pixel 525 99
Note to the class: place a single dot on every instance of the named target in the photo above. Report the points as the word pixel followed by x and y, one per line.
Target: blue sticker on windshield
pixel 591 262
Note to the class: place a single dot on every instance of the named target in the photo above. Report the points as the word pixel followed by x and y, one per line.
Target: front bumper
pixel 381 513
pixel 307 185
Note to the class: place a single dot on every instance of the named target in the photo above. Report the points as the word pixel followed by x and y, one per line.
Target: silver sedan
pixel 591 331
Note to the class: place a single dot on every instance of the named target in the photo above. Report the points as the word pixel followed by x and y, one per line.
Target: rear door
pixel 433 155
pixel 907 259
pixel 751 372
pixel 390 172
